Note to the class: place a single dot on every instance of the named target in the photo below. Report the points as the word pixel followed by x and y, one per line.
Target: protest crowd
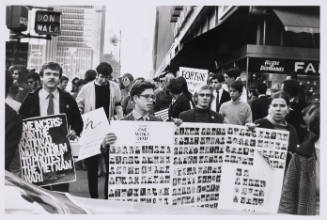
pixel 222 99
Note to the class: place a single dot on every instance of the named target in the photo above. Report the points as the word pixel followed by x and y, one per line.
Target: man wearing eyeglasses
pixel 143 96
pixel 97 94
pixel 202 112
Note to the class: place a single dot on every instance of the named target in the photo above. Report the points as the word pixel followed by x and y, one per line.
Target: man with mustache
pixel 49 100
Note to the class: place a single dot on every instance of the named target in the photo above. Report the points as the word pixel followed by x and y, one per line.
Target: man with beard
pixel 202 113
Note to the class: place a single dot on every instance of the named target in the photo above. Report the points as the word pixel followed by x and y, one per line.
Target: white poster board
pixel 194 77
pixel 96 126
pixel 209 165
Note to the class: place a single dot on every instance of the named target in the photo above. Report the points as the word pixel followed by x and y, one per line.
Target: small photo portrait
pixel 238 172
pixel 243 200
pixel 260 201
pixel 112 149
pixel 245 151
pixel 227 158
pixel 249 201
pixel 285 137
pixel 203 131
pixel 111 193
pixel 240 150
pixel 118 149
pixel 208 132
pixel 111 180
pixel 137 150
pixel 237 181
pixel 251 182
pixel 244 191
pixel 235 199
pixel 273 135
pixel 186 131
pixel 277 155
pixel 118 159
pixel 131 150
pixel 181 131
pixel 175 150
pixel 150 149
pixel 250 161
pixel 192 131
pixel 213 131
pixel 252 142
pixel 180 150
pixel 218 131
pixel 130 192
pixel 168 150
pixel 223 131
pixel 242 132
pixel 233 159
pixel 124 150
pixel 222 140
pixel 233 150
pixel 267 134
pixel 156 150
pixel 245 182
pixel 117 193
pixel 246 142
pixel 248 133
pixel 246 173
pixel 229 140
pixel 230 131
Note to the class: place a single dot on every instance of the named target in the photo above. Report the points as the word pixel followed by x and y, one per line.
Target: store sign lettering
pixel 305 67
pixel 272 66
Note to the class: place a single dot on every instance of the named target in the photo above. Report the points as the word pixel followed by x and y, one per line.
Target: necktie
pixel 50 110
pixel 217 102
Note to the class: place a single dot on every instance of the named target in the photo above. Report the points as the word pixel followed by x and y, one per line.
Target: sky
pixel 136 24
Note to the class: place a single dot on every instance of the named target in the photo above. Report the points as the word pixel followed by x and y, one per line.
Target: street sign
pixel 47 22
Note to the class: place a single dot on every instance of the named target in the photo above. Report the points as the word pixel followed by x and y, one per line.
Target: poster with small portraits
pixel 198 164
pixel 140 162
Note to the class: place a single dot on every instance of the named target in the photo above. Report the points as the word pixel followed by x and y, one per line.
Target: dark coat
pixel 225 97
pixel 180 105
pixel 13 135
pixel 163 100
pixel 201 115
pixel 31 108
pixel 259 107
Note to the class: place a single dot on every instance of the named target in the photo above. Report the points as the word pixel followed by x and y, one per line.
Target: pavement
pixel 80 186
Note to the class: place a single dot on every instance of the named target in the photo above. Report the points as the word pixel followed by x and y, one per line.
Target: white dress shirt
pixel 44 102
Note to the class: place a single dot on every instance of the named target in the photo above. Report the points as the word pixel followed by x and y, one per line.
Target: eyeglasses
pixel 206 95
pixel 148 96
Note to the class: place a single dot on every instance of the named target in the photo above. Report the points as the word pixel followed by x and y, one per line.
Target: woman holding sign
pixel 276 119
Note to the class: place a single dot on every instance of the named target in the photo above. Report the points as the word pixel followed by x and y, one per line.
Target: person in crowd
pixel 294 117
pixel 182 98
pixel 50 100
pixel 126 84
pixel 230 76
pixel 301 188
pixel 63 82
pixel 220 95
pixel 90 75
pixel 128 102
pixel 13 132
pixel 74 90
pixel 276 119
pixel 19 89
pixel 33 81
pixel 100 93
pixel 163 98
pixel 202 113
pixel 236 111
pixel 253 95
pixel 143 97
pixel 260 106
pixel 159 84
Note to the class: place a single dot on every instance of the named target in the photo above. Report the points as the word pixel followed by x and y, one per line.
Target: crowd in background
pixel 223 100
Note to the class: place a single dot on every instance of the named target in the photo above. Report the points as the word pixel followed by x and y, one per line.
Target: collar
pixel 138 116
pixel 43 93
pixel 261 95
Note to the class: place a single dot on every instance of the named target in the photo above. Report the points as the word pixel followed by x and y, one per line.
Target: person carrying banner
pixel 97 94
pixel 49 100
pixel 236 111
pixel 202 112
pixel 143 96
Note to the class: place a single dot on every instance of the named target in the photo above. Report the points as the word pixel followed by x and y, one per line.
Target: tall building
pixel 36 56
pixel 79 47
pixel 109 58
pixel 266 43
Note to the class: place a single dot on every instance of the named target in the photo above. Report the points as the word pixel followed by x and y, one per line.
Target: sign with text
pixel 194 77
pixel 96 126
pixel 47 22
pixel 198 164
pixel 271 65
pixel 45 152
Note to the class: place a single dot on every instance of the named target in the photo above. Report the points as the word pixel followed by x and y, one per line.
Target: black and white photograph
pixel 209 107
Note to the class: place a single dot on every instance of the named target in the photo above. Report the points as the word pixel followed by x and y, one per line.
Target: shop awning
pixel 298 21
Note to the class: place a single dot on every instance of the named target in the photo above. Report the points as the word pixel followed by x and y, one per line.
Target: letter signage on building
pixel 271 65
pixel 47 22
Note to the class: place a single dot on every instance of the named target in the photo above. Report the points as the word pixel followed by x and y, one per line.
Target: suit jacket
pixel 31 108
pixel 225 97
pixel 260 107
pixel 13 135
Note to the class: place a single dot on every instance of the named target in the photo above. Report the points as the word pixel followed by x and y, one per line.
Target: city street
pixel 80 187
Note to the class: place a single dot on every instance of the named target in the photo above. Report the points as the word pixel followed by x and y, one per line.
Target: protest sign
pixel 209 165
pixel 194 77
pixel 45 152
pixel 96 126
pixel 163 114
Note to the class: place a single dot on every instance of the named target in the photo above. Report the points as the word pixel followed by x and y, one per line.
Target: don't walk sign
pixel 47 22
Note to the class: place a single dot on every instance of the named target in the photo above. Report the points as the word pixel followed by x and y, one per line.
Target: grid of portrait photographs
pixel 247 190
pixel 191 170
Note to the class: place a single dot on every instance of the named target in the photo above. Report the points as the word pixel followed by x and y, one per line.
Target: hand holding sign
pixel 108 140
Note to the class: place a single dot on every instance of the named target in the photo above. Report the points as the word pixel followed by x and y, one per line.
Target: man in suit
pixel 49 100
pixel 260 106
pixel 220 95
pixel 202 113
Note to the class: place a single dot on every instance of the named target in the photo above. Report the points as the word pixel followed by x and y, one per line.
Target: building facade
pixel 266 43
pixel 79 46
